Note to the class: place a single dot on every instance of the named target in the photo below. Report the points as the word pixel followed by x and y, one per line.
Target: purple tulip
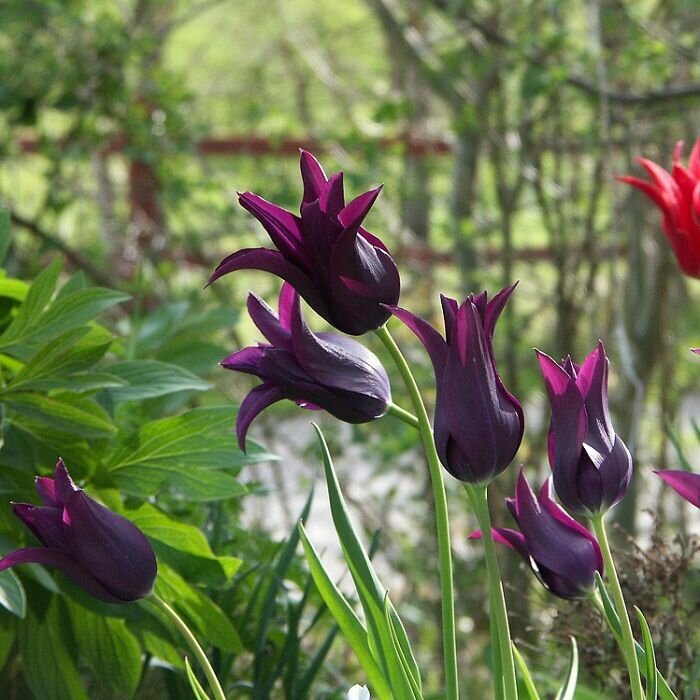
pixel 561 552
pixel 343 271
pixel 591 465
pixel 686 484
pixel 100 551
pixel 478 423
pixel 317 370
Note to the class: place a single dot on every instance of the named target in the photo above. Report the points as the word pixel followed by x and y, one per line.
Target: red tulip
pixel 677 194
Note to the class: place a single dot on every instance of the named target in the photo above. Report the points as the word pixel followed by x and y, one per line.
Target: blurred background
pixel 497 128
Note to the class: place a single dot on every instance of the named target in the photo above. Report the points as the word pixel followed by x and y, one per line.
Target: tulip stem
pixel 478 495
pixel 627 641
pixel 441 515
pixel 193 644
pixel 402 414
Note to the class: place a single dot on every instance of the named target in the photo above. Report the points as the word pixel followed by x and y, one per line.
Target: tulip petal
pixel 63 484
pixel 110 547
pixel 312 175
pixel 267 321
pixel 495 307
pixel 285 304
pixel 332 198
pixel 592 382
pixel 283 227
pixel 254 403
pixel 58 559
pixel 355 212
pixel 686 484
pixel 46 488
pixel 432 341
pixel 246 360
pixel 45 522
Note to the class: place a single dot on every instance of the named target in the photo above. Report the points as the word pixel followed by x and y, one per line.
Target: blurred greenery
pixel 497 129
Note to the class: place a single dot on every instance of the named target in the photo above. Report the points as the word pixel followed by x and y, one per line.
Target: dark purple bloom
pixel 100 551
pixel 478 423
pixel 591 465
pixel 561 552
pixel 343 271
pixel 317 370
pixel 686 484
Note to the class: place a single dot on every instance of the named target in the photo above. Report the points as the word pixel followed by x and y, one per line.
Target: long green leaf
pixel 648 642
pixel 568 688
pixel 147 379
pixel 369 588
pixel 5 233
pixel 353 630
pixel 414 682
pixel 524 674
pixel 12 595
pixel 199 692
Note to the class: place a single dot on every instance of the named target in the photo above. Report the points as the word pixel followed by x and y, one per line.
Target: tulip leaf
pixel 110 649
pixel 48 654
pixel 147 379
pixel 524 674
pixel 199 692
pixel 398 650
pixel 650 674
pixel 369 588
pixel 183 546
pixel 568 688
pixel 205 615
pixel 12 595
pixel 352 629
pixel 664 690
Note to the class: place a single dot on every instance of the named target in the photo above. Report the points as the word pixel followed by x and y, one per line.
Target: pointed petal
pixel 495 307
pixel 284 307
pixel 255 403
pixel 686 484
pixel 432 341
pixel 354 213
pixel 65 564
pixel 46 488
pixel 245 360
pixel 592 382
pixel 45 522
pixel 694 160
pixel 267 321
pixel 272 261
pixel 63 484
pixel 332 197
pixel 312 175
pixel 109 547
pixel 283 227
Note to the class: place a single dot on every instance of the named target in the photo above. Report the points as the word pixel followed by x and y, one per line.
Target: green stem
pixel 627 642
pixel 441 516
pixel 402 414
pixel 479 499
pixel 193 644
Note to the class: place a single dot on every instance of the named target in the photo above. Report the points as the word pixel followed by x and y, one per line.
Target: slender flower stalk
pixel 402 414
pixel 627 642
pixel 479 499
pixel 441 515
pixel 192 642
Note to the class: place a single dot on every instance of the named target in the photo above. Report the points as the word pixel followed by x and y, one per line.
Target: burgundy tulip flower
pixel 560 551
pixel 343 271
pixel 591 465
pixel 677 194
pixel 100 551
pixel 317 370
pixel 478 423
pixel 686 484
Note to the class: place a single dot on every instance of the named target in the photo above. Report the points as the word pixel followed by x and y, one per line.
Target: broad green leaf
pixel 369 588
pixel 11 288
pixel 71 413
pixel 12 595
pixel 47 648
pixel 568 688
pixel 648 642
pixel 352 629
pixel 212 624
pixel 188 453
pixel 110 649
pixel 37 298
pixel 525 675
pixel 146 379
pixel 183 546
pixel 199 692
pixel 5 233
